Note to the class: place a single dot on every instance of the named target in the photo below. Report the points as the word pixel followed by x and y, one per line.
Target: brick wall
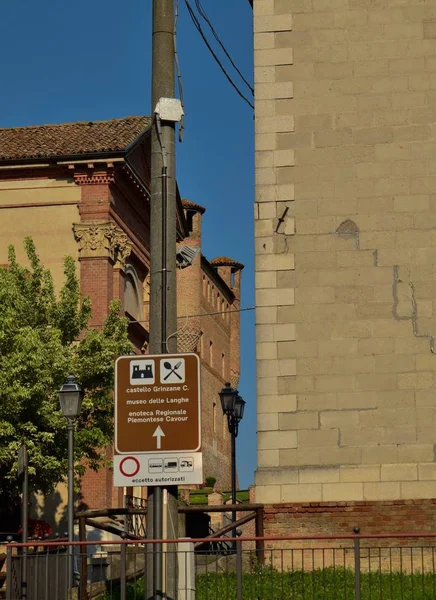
pixel 214 336
pixel 96 281
pixel 215 435
pixel 203 292
pixel 345 254
pixel 339 518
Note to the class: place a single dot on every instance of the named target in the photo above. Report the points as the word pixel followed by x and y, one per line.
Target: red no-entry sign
pixel 129 466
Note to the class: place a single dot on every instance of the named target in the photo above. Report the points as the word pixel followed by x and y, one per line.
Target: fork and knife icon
pixel 172 369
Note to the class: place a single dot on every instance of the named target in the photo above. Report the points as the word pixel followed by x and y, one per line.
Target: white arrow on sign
pixel 159 434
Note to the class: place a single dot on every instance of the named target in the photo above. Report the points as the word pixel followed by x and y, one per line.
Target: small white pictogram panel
pixel 155 465
pixel 171 465
pixel 172 370
pixel 141 372
pixel 187 464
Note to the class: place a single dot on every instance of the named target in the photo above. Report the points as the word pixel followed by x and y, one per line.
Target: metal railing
pixel 136 524
pixel 349 567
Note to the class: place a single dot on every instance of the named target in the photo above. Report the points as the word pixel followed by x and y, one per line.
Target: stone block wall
pixel 345 249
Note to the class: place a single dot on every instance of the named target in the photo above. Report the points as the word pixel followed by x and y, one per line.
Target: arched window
pixel 132 294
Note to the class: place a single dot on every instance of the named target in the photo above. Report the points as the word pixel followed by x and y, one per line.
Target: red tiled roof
pixel 225 261
pixel 193 206
pixel 70 139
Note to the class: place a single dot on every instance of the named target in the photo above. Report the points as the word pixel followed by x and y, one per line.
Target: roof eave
pixel 134 143
pixel 54 160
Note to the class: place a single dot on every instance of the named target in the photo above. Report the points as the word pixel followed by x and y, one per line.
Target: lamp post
pixel 70 397
pixel 233 408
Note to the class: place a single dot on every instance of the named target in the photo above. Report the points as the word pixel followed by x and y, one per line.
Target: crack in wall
pixel 281 243
pixel 405 307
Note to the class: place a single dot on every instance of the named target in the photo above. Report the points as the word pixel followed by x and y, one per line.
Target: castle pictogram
pixel 142 373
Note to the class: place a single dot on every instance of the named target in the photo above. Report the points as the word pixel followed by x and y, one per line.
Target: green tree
pixel 43 339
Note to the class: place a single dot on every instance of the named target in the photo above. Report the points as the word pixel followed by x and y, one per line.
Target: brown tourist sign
pixel 157 404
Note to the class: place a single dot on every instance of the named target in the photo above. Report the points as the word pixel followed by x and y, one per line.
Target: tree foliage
pixel 45 337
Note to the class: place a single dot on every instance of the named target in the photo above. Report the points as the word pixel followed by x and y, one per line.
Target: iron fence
pixel 136 524
pixel 353 567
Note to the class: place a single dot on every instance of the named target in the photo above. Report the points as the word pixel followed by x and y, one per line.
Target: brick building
pixel 345 258
pixel 82 189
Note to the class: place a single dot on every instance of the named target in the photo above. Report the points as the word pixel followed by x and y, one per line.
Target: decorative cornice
pixel 102 239
pixel 92 176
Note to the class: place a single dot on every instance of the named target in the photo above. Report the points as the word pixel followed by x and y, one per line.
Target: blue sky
pixel 91 60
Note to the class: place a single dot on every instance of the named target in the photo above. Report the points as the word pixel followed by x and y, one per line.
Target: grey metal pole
pixel 9 577
pixel 25 524
pixel 70 500
pixel 238 570
pixel 123 570
pixel 163 299
pixel 232 427
pixel 236 544
pixel 357 586
pixel 163 302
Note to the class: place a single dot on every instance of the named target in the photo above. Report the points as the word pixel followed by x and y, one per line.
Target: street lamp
pixel 233 408
pixel 70 397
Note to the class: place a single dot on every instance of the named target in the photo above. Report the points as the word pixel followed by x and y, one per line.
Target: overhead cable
pixel 217 60
pixel 200 315
pixel 178 71
pixel 203 14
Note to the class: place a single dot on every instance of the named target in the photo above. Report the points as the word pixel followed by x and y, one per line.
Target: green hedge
pixel 200 496
pixel 321 584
